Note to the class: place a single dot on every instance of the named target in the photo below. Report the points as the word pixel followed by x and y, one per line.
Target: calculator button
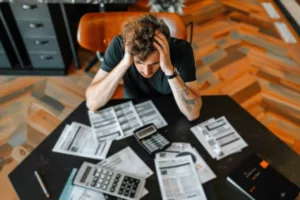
pixel 98 185
pixel 104 171
pixel 110 173
pixel 120 191
pixel 126 194
pixel 104 187
pixel 95 179
pixel 112 189
pixel 99 170
pixel 100 180
pixel 132 194
pixel 102 175
pixel 97 174
pixel 106 182
pixel 118 175
pixel 108 178
pixel 94 184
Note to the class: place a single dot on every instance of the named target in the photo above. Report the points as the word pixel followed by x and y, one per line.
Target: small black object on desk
pixel 56 167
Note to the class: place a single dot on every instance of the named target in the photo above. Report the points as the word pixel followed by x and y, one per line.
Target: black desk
pixel 55 168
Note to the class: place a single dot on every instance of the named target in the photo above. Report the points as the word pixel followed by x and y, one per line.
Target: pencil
pixel 42 184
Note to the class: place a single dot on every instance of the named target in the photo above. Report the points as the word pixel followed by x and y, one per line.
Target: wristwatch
pixel 175 73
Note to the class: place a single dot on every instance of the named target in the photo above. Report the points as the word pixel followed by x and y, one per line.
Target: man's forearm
pixel 100 92
pixel 188 103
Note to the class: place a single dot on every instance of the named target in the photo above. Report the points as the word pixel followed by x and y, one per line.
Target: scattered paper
pixel 285 32
pixel 178 179
pixel 204 172
pixel 128 118
pixel 218 137
pixel 105 125
pixel 149 114
pixel 270 10
pixel 78 140
pixel 126 160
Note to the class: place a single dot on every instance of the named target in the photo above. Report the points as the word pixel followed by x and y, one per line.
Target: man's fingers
pixel 161 43
pixel 158 47
pixel 161 36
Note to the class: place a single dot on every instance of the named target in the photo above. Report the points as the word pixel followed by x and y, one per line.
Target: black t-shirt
pixel 135 85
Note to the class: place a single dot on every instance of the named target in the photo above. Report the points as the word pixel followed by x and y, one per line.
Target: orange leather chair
pixel 96 30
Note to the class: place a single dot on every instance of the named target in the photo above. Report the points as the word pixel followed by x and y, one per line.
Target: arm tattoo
pixel 190 103
pixel 185 98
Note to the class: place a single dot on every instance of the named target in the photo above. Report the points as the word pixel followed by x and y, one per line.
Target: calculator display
pixel 146 131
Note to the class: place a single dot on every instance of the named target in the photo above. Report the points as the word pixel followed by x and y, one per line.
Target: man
pixel 151 63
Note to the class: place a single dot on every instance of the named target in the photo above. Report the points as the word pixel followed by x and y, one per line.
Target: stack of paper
pixel 78 140
pixel 204 172
pixel 125 160
pixel 178 179
pixel 218 137
pixel 118 122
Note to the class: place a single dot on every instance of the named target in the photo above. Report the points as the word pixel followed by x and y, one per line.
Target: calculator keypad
pixel 155 142
pixel 128 186
pixel 101 179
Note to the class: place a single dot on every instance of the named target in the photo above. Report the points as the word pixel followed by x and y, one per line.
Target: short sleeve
pixel 113 55
pixel 187 69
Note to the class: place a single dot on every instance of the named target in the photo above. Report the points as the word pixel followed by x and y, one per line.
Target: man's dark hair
pixel 138 34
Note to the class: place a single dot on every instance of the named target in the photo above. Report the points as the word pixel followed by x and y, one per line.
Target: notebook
pixel 260 181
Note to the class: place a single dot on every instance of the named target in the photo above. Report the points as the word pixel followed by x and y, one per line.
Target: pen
pixel 42 184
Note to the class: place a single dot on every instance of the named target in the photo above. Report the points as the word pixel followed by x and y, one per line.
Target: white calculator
pixel 150 139
pixel 112 182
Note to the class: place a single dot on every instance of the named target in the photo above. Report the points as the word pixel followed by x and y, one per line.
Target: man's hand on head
pixel 162 45
pixel 127 59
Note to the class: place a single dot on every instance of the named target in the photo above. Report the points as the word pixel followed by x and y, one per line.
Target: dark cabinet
pixel 39 36
pixel 4 62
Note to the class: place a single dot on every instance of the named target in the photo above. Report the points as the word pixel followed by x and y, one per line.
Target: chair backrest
pixel 96 30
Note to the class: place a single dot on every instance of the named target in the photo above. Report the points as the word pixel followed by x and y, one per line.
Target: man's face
pixel 148 67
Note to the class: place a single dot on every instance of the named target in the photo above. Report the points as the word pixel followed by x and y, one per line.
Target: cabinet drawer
pixel 4 62
pixel 46 60
pixel 30 11
pixel 41 44
pixel 36 28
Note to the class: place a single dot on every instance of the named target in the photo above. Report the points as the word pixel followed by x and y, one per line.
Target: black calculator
pixel 151 139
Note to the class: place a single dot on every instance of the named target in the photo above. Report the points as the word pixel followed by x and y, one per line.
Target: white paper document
pixel 178 179
pixel 219 138
pixel 78 140
pixel 149 114
pixel 128 118
pixel 270 10
pixel 105 125
pixel 200 133
pixel 204 172
pixel 285 32
pixel 126 160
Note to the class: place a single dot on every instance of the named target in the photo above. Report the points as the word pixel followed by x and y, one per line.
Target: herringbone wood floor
pixel 238 52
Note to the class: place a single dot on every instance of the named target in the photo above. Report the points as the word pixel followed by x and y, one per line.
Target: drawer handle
pixel 41 42
pixel 29 7
pixel 46 57
pixel 36 25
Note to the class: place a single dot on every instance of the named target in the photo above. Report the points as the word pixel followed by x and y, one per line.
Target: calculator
pixel 112 182
pixel 150 139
